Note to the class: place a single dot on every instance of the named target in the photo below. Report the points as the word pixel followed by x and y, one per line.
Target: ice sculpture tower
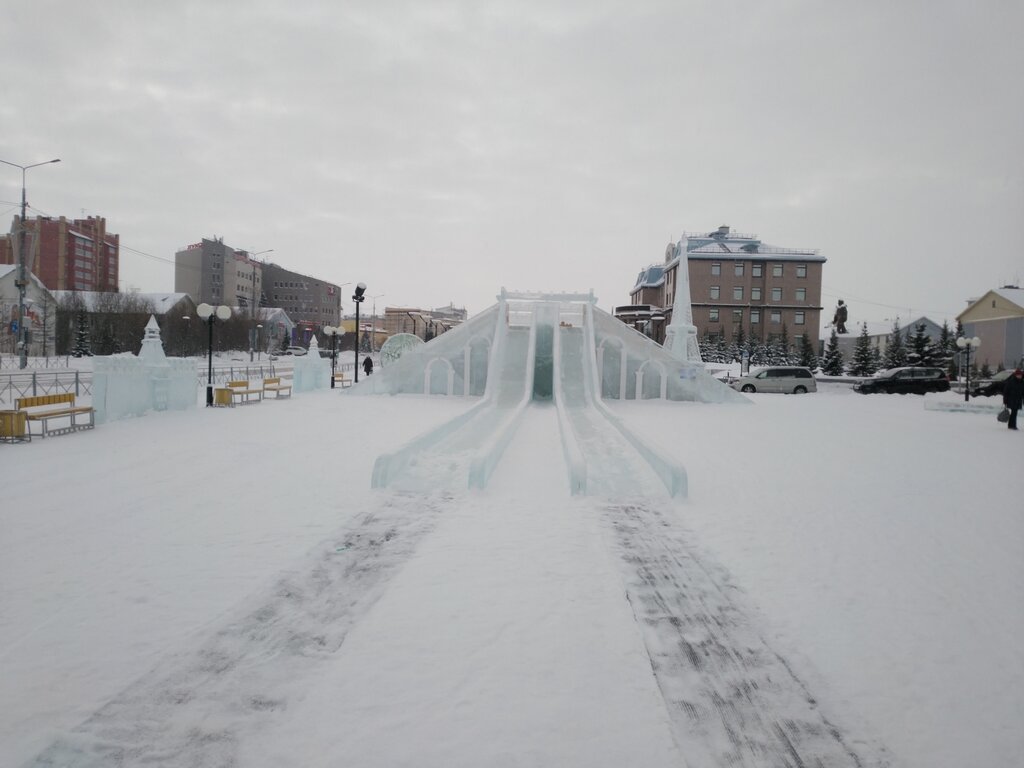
pixel 681 334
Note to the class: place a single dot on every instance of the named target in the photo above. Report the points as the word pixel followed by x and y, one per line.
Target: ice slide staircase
pixel 534 350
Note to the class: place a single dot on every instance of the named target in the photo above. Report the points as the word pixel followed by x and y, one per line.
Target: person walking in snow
pixel 1013 395
pixel 368 365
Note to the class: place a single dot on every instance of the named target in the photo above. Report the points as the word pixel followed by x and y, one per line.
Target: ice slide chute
pixel 544 347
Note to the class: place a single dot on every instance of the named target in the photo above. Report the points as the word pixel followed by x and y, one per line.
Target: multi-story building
pixel 76 255
pixel 425 323
pixel 210 271
pixel 736 282
pixel 213 273
pixel 310 302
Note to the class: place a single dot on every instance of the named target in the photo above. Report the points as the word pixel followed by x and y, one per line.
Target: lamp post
pixel 208 313
pixel 186 341
pixel 334 333
pixel 259 349
pixel 373 330
pixel 358 297
pixel 22 281
pixel 967 345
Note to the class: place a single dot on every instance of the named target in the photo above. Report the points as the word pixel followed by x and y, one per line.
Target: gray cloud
pixel 438 151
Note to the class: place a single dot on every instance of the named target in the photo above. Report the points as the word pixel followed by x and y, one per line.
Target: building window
pixel 716 269
pixel 737 293
pixel 715 292
pixel 776 270
pixel 776 316
pixel 757 270
pixel 755 294
pixel 755 316
pixel 776 294
pixel 737 316
pixel 713 315
pixel 738 269
pixel 798 318
pixel 801 270
pixel 801 294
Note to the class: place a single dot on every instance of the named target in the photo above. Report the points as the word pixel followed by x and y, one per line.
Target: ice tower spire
pixel 681 332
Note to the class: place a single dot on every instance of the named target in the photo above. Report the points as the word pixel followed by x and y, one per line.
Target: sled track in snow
pixel 732 699
pixel 194 709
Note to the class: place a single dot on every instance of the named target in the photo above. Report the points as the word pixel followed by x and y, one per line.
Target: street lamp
pixel 967 345
pixel 208 313
pixel 259 350
pixel 334 333
pixel 187 336
pixel 358 297
pixel 22 281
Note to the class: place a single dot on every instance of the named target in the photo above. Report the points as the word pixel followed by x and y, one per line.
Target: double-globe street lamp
pixel 209 313
pixel 967 345
pixel 334 333
pixel 22 281
pixel 358 297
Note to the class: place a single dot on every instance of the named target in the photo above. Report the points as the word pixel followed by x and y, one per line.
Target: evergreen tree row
pixel 912 348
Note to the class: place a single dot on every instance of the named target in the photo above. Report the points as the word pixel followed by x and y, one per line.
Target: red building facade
pixel 76 255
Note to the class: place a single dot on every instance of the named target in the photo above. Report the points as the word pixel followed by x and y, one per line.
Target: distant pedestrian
pixel 1013 395
pixel 367 365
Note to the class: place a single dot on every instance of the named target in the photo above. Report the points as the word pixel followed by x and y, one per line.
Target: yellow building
pixel 997 318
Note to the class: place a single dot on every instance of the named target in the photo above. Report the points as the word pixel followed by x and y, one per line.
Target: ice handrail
pixel 671 473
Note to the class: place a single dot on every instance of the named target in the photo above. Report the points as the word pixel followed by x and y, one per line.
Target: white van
pixel 785 379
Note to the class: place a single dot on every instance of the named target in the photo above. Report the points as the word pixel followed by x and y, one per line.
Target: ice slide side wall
pixel 507 392
pixel 581 370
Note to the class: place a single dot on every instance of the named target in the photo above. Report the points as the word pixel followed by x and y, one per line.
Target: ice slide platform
pixel 555 352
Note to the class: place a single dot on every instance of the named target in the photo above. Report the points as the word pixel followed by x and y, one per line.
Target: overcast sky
pixel 438 151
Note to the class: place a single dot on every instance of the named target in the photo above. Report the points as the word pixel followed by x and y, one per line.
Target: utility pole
pixel 22 280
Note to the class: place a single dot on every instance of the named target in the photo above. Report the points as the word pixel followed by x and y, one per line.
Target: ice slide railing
pixel 504 383
pixel 574 459
pixel 585 399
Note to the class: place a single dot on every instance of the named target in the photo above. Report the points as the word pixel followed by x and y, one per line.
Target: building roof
pixel 162 302
pixel 877 328
pixel 651 277
pixel 722 243
pixel 1015 295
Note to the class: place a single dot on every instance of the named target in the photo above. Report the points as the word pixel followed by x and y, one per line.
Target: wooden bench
pixel 277 387
pixel 43 408
pixel 342 379
pixel 243 393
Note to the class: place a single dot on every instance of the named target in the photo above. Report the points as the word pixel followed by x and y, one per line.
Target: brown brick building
pixel 736 281
pixel 77 255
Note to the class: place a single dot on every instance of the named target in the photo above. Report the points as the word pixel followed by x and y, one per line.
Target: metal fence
pixel 13 362
pixel 31 384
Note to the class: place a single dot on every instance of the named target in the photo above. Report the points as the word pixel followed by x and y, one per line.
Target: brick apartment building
pixel 736 282
pixel 75 255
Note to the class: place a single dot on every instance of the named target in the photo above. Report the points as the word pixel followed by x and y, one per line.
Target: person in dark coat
pixel 1013 395
pixel 367 365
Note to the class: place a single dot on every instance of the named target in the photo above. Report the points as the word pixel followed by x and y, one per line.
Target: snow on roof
pixel 1015 295
pixel 651 277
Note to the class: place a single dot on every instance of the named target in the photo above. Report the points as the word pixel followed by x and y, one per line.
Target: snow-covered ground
pixel 222 587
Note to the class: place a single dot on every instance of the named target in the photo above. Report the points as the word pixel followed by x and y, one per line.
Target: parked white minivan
pixel 785 379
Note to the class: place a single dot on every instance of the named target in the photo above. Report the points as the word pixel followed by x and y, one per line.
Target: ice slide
pixel 603 455
pixel 542 348
pixel 465 450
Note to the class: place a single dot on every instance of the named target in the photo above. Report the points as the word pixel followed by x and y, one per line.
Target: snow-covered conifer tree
pixel 863 362
pixel 832 364
pixel 895 350
pixel 808 358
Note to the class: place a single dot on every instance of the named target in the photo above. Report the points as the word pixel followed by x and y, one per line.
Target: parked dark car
pixel 993 386
pixel 906 381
